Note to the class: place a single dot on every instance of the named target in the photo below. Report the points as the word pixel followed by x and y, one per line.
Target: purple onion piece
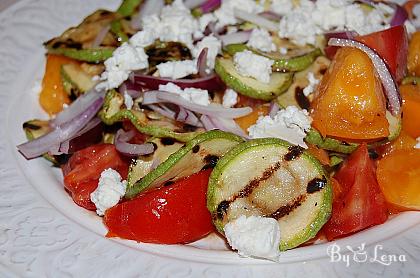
pixel 202 62
pixel 128 149
pixel 274 108
pixel 60 133
pixel 400 16
pixel 153 97
pixel 238 37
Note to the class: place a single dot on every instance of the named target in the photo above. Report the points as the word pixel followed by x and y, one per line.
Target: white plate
pixel 43 233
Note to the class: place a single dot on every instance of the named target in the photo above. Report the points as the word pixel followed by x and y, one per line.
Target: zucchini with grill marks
pixel 271 178
pixel 201 152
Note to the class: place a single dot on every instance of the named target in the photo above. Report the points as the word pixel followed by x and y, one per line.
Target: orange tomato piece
pixel 402 142
pixel 398 176
pixel 319 154
pixel 246 121
pixel 53 97
pixel 411 109
pixel 349 103
pixel 413 63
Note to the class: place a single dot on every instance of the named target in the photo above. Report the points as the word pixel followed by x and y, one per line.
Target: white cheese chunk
pixel 313 83
pixel 254 236
pixel 290 124
pixel 177 69
pixel 230 98
pixel 109 191
pixel 252 65
pixel 260 39
pixel 124 60
pixel 225 14
pixel 192 95
pixel 308 19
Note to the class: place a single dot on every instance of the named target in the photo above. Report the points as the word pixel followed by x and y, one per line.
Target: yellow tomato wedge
pixel 53 96
pixel 411 109
pixel 398 176
pixel 349 103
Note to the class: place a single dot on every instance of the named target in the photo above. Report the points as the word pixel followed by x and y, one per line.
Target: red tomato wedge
pixel 360 203
pixel 167 215
pixel 392 45
pixel 82 171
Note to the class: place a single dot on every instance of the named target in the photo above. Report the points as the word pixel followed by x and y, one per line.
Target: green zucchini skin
pixel 184 155
pixel 128 7
pixel 216 186
pixel 91 55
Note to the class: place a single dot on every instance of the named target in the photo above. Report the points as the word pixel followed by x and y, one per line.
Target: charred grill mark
pixel 294 152
pixel 287 209
pixel 373 154
pixel 31 126
pixel 247 190
pixel 188 128
pixel 167 141
pixel 210 161
pixel 222 209
pixel 301 99
pixel 196 148
pixel 316 185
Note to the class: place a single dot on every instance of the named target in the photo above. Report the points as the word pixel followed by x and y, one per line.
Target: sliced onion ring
pixel 228 125
pixel 237 37
pixel 77 107
pixel 390 87
pixel 210 82
pixel 60 133
pixel 400 15
pixel 191 4
pixel 257 20
pixel 210 5
pixel 202 62
pixel 122 145
pixel 152 97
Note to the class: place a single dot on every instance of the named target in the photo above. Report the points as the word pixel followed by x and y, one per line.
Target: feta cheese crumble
pixel 254 236
pixel 260 39
pixel 252 65
pixel 128 101
pixel 225 14
pixel 175 23
pixel 304 21
pixel 124 60
pixel 230 98
pixel 290 124
pixel 109 191
pixel 177 69
pixel 313 83
pixel 192 95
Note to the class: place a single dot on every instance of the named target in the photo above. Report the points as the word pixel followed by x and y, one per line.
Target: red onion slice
pixel 152 97
pixel 210 82
pixel 202 62
pixel 270 15
pixel 400 15
pixel 210 5
pixel 60 133
pixel 188 117
pixel 77 107
pixel 274 108
pixel 390 88
pixel 123 89
pixel 331 50
pixel 149 7
pixel 122 145
pixel 100 36
pixel 257 20
pixel 238 37
pixel 163 110
pixel 90 134
pixel 228 125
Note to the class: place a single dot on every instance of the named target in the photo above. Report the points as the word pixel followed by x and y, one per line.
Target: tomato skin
pixel 392 45
pixel 167 215
pixel 360 203
pixel 82 171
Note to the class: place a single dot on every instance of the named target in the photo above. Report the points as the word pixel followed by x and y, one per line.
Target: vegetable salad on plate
pixel 272 123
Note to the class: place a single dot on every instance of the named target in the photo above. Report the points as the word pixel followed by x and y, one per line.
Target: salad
pixel 275 124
